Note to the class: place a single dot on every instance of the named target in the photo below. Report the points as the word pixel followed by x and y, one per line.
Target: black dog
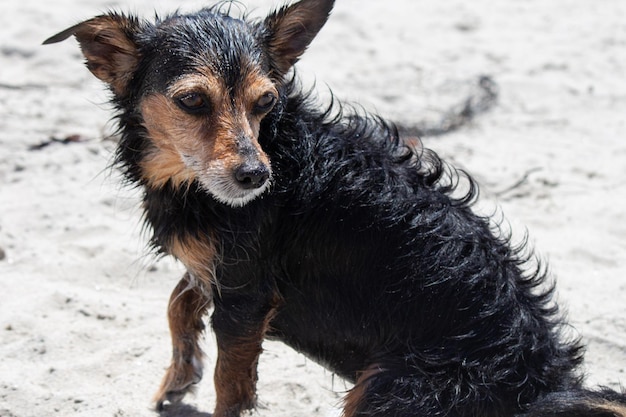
pixel 320 229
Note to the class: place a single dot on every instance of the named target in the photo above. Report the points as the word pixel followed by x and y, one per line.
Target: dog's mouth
pixel 235 188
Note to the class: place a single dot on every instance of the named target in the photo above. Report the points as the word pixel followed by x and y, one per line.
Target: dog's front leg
pixel 240 329
pixel 187 306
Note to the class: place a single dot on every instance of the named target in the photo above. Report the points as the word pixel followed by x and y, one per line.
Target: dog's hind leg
pixel 356 401
pixel 403 392
pixel 187 306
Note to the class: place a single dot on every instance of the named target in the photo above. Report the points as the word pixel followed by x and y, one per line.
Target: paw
pixel 177 382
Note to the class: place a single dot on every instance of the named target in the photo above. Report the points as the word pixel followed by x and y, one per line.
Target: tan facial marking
pixel 202 81
pixel 254 87
pixel 166 129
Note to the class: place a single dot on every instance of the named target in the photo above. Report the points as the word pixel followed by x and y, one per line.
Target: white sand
pixel 82 309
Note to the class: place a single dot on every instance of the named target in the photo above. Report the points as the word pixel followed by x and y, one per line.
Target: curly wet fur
pixel 364 254
pixel 361 229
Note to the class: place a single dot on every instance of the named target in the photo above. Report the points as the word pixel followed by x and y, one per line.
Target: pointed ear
pixel 107 44
pixel 290 30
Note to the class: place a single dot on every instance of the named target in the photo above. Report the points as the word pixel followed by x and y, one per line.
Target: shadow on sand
pixel 182 410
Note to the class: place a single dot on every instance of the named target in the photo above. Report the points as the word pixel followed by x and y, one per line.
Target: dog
pixel 322 228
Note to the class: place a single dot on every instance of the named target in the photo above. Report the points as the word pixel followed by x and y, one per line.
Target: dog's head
pixel 201 84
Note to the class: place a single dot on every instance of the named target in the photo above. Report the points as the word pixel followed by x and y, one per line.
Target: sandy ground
pixel 82 307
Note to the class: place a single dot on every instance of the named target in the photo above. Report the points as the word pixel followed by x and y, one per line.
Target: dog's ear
pixel 290 30
pixel 107 43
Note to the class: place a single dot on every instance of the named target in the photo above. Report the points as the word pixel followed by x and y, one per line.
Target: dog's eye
pixel 265 103
pixel 193 103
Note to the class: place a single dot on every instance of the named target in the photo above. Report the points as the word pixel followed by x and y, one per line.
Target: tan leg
pixel 188 304
pixel 235 377
pixel 240 333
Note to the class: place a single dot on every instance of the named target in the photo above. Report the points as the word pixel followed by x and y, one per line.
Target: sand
pixel 83 330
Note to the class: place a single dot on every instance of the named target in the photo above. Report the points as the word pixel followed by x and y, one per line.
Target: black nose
pixel 252 176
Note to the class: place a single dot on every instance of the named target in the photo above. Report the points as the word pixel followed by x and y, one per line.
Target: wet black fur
pixel 378 261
